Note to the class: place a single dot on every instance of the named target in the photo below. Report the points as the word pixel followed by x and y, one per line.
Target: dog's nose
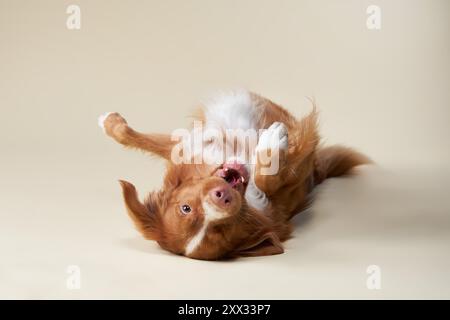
pixel 221 196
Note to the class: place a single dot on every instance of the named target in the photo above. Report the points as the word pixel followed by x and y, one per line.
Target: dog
pixel 231 207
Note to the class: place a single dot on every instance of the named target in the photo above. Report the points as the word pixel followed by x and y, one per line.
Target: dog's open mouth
pixel 235 174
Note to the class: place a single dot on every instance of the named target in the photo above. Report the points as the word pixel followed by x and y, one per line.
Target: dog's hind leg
pixel 116 127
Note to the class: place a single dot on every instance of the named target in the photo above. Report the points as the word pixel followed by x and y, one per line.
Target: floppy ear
pixel 146 217
pixel 263 244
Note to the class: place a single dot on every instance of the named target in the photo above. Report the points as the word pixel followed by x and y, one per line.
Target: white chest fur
pixel 236 110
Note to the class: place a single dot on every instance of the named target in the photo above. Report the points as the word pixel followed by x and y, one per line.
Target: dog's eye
pixel 185 209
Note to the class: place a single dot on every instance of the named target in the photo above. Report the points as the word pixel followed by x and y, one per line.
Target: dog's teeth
pixel 226 169
pixel 242 179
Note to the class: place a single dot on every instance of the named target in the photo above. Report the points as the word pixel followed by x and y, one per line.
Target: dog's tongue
pixel 239 168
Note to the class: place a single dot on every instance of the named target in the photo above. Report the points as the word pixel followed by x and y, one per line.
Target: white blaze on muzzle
pixel 212 213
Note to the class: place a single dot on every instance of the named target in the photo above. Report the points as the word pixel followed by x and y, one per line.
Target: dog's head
pixel 201 212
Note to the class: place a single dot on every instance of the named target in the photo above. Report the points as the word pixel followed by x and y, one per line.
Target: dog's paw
pixel 274 138
pixel 109 121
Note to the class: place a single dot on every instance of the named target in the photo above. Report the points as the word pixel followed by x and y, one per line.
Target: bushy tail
pixel 336 161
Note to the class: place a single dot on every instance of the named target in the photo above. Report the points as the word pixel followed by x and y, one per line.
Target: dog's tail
pixel 336 161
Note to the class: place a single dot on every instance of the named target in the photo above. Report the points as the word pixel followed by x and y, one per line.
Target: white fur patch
pixel 196 240
pixel 233 110
pixel 255 197
pixel 211 213
pixel 237 110
pixel 274 138
pixel 101 120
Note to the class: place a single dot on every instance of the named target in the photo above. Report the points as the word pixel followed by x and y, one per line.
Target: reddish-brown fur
pixel 244 231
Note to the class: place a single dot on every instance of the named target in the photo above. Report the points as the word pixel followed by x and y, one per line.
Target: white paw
pixel 101 120
pixel 274 138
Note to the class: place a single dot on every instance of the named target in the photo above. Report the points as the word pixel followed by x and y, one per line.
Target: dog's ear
pixel 147 218
pixel 263 244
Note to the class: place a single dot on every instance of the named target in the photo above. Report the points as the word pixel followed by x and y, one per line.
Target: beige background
pixel 384 92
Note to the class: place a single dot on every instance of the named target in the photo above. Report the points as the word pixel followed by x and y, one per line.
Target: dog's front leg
pixel 116 127
pixel 271 154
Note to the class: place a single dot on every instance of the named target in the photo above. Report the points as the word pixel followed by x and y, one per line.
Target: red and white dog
pixel 232 206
